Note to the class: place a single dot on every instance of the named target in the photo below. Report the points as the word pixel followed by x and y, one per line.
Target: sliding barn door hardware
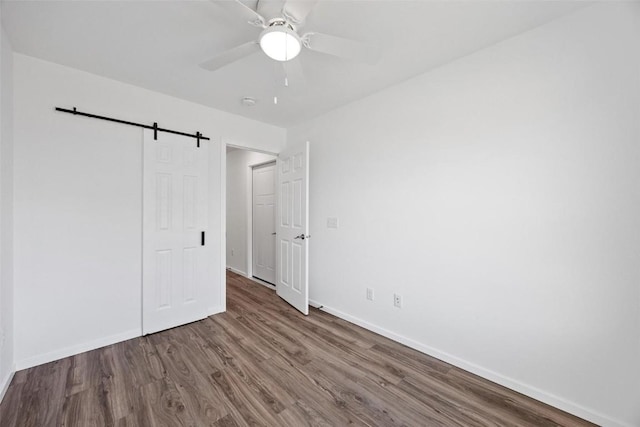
pixel 198 136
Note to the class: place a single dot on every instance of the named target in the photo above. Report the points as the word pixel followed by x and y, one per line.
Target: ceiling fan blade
pixel 296 11
pixel 231 55
pixel 293 72
pixel 240 9
pixel 343 48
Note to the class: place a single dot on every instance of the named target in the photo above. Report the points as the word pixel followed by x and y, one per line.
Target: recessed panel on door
pixel 163 278
pixel 190 202
pixel 163 201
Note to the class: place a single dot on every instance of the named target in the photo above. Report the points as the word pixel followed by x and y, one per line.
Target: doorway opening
pixel 250 214
pixel 291 207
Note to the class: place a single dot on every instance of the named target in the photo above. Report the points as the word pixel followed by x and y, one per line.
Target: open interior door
pixel 292 226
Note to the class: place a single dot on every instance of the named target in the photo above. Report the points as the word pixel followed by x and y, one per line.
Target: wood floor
pixel 262 363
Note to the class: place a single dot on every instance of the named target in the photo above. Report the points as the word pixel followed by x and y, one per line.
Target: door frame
pixel 223 215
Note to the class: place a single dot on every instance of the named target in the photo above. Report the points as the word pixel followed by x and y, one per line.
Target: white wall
pixel 6 214
pixel 78 209
pixel 239 179
pixel 500 196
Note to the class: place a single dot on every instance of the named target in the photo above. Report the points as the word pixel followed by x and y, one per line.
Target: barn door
pixel 292 226
pixel 175 180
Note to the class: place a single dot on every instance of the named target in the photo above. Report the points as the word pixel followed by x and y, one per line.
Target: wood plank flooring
pixel 263 363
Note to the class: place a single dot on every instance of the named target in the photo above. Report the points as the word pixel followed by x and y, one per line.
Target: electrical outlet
pixel 233 252
pixel 397 300
pixel 370 294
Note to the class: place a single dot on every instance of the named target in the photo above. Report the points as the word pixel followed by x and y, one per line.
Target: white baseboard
pixel 533 392
pixel 242 273
pixel 4 383
pixel 255 279
pixel 92 345
pixel 76 349
pixel 319 306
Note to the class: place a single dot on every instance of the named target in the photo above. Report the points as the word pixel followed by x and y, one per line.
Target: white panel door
pixel 264 222
pixel 174 268
pixel 292 227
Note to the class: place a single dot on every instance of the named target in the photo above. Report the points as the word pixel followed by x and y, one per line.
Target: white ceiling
pixel 159 44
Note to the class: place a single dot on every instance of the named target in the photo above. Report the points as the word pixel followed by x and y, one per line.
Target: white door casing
pixel 264 223
pixel 292 226
pixel 175 212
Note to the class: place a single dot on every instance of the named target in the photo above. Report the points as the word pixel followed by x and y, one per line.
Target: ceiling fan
pixel 280 39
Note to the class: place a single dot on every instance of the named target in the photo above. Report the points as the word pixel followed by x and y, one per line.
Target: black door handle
pixel 202 238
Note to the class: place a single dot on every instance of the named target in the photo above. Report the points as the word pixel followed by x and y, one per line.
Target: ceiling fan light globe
pixel 280 43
